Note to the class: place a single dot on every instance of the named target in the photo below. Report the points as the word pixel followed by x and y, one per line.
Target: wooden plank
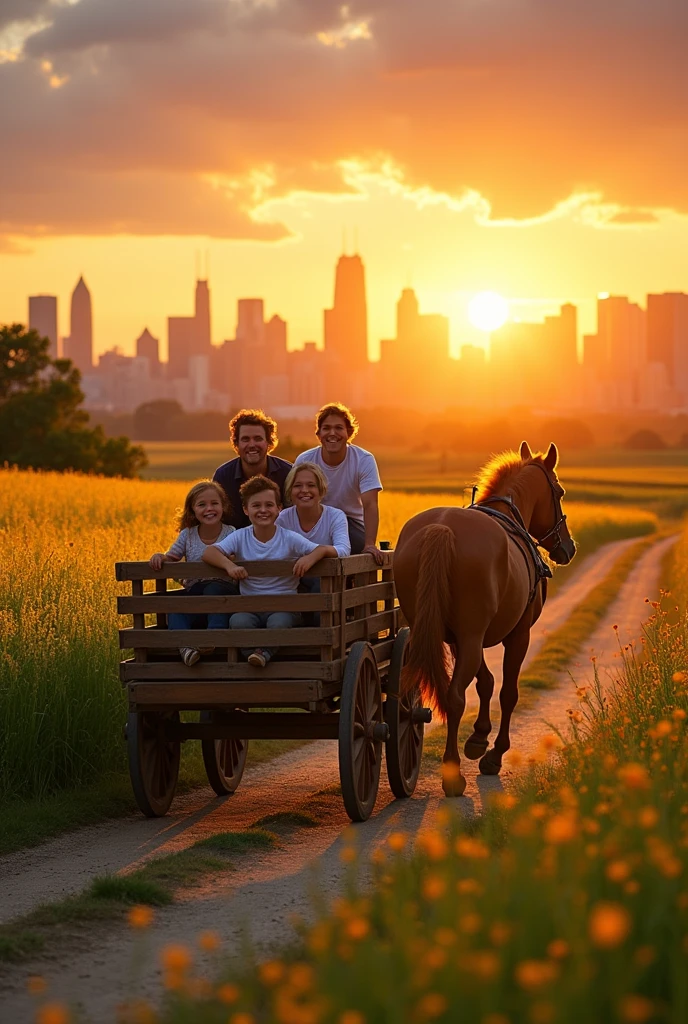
pixel 365 563
pixel 200 604
pixel 326 621
pixel 368 627
pixel 200 570
pixel 139 621
pixel 369 592
pixel 193 696
pixel 161 616
pixel 300 636
pixel 207 671
pixel 278 725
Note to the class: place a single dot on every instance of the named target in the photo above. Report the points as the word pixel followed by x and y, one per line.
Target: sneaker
pixel 189 655
pixel 258 659
pixel 206 650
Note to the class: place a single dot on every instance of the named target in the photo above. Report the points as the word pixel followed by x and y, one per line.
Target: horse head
pixel 548 522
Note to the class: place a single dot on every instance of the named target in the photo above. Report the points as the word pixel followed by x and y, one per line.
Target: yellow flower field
pixel 61 706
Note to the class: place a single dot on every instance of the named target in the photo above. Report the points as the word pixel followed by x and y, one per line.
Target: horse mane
pixel 499 470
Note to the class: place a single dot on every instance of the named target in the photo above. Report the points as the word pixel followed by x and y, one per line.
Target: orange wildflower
pixel 351 1017
pixel 679 677
pixel 140 916
pixel 434 844
pixel 435 958
pixel 558 949
pixel 445 937
pixel 242 1018
pixel 648 817
pixel 357 928
pixel 474 849
pixel 500 932
pixel 434 887
pixel 396 841
pixel 618 871
pixel 433 1004
pixel 562 828
pixel 53 1013
pixel 635 1009
pixel 36 985
pixel 176 958
pixel 609 924
pixel 535 974
pixel 271 972
pixel 228 993
pixel 470 923
pixel 483 964
pixel 348 854
pixel 634 776
pixel 209 941
pixel 468 885
pixel 301 977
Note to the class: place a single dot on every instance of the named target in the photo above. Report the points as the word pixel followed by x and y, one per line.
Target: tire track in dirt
pixel 274 885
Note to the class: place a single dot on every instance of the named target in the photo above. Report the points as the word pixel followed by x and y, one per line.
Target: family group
pixel 259 507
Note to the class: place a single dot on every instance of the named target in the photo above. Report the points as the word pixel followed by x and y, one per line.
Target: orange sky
pixel 532 148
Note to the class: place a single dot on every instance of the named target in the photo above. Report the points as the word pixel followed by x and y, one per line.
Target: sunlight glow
pixel 488 311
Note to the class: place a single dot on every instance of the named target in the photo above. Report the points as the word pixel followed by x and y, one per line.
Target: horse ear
pixel 525 451
pixel 552 456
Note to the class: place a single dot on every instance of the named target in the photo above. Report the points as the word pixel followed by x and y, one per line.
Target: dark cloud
pixel 20 10
pixel 525 101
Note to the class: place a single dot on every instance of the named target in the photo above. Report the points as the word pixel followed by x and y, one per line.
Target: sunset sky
pixel 532 147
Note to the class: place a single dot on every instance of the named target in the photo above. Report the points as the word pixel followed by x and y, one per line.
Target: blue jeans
pixel 264 620
pixel 310 585
pixel 209 588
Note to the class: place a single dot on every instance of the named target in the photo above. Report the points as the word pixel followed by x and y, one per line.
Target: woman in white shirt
pixel 304 489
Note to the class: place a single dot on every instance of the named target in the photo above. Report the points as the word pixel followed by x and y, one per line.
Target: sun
pixel 488 311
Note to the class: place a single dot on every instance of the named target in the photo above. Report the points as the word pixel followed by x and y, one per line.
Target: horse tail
pixel 427 658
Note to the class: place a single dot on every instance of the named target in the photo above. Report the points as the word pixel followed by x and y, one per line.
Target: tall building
pixel 667 338
pixel 346 331
pixel 147 347
pixel 189 336
pixel 43 318
pixel 414 367
pixel 79 345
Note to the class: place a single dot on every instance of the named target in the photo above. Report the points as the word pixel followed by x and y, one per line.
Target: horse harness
pixel 518 529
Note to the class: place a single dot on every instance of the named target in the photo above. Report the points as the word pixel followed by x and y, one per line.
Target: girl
pixel 304 490
pixel 202 521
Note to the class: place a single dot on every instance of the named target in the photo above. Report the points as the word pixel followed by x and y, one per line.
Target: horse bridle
pixel 556 501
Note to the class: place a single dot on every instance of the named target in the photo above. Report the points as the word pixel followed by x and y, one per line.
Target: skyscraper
pixel 79 344
pixel 346 331
pixel 189 336
pixel 43 318
pixel 667 338
pixel 202 309
pixel 148 347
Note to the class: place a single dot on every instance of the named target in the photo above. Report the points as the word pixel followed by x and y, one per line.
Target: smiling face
pixel 207 507
pixel 252 445
pixel 262 508
pixel 305 491
pixel 333 434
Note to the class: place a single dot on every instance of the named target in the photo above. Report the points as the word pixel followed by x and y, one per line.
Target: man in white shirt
pixel 353 480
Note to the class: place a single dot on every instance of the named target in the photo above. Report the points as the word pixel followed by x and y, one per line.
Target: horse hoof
pixel 489 766
pixel 475 748
pixel 453 782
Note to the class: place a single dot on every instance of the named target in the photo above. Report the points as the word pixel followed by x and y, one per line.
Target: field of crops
pixel 566 902
pixel 61 705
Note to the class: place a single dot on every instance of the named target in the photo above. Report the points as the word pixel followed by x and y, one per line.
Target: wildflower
pixel 140 916
pixel 679 714
pixel 515 758
pixel 445 937
pixel 542 1013
pixel 679 677
pixel 433 1004
pixel 319 938
pixel 644 956
pixel 435 958
pixel 500 932
pixel 36 985
pixel 434 887
pixel 618 871
pixel 538 811
pixel 242 1018
pixel 228 993
pixel 483 964
pixel 348 854
pixel 466 886
pixel 351 1017
pixel 634 776
pixel 558 949
pixel 648 817
pixel 209 941
pixel 470 923
pixel 549 741
pixel 575 716
pixel 176 958
pixel 504 801
pixel 615 627
pixel 138 1011
pixel 396 841
pixel 434 844
pixel 271 972
pixel 635 1009
pixel 53 1013
pixel 609 924
pixel 465 846
pixel 534 974
pixel 357 928
pixel 662 728
pixel 562 828
pixel 632 887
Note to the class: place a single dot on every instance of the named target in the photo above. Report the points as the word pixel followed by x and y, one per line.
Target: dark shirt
pixel 230 477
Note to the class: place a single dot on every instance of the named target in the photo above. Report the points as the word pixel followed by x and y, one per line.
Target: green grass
pixel 287 820
pixel 239 842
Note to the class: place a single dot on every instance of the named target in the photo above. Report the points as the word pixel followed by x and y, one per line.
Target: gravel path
pixel 275 884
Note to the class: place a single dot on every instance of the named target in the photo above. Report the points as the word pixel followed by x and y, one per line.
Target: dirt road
pixel 273 884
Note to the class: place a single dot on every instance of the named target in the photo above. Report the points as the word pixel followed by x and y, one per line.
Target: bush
pixel 644 441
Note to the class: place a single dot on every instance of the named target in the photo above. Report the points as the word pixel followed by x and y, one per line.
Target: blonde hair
pixel 312 468
pixel 186 517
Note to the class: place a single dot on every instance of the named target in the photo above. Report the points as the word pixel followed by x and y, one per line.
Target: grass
pixel 566 901
pixel 62 759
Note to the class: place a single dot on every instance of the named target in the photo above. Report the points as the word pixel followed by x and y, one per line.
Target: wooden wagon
pixel 335 680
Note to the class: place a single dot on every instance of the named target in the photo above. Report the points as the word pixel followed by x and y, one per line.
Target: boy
pixel 264 539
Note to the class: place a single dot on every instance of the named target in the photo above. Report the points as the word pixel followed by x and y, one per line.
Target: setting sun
pixel 488 311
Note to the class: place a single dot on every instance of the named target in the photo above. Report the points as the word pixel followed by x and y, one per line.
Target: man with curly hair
pixel 353 480
pixel 253 435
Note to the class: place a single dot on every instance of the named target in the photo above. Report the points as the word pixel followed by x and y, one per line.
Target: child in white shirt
pixel 262 540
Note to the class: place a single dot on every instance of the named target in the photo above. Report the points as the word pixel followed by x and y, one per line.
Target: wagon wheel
pixel 153 760
pixel 361 732
pixel 224 760
pixel 403 715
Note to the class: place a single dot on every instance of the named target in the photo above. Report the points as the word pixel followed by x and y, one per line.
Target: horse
pixel 472 581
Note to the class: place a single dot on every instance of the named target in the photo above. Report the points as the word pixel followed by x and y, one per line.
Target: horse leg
pixel 466 668
pixel 515 648
pixel 477 743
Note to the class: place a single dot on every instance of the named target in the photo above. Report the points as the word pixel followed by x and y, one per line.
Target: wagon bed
pixel 335 680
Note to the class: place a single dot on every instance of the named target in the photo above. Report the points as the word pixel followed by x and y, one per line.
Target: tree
pixel 42 424
pixel 645 441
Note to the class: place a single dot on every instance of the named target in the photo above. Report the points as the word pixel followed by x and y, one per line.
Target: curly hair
pixel 337 409
pixel 253 418
pixel 186 517
pixel 256 485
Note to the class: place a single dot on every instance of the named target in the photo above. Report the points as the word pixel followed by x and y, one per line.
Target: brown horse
pixel 471 580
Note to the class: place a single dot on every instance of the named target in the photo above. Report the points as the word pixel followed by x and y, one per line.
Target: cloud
pixel 229 103
pixel 20 10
